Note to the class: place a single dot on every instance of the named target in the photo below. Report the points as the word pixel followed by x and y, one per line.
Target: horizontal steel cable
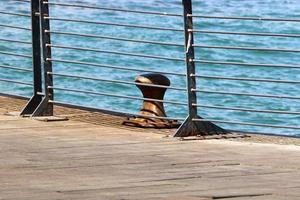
pixel 245 79
pixel 247 109
pixel 115 95
pixel 115 38
pixel 15 27
pixel 247 64
pixel 118 112
pixel 15 54
pixel 27 1
pixel 245 33
pixel 248 48
pixel 247 123
pixel 15 68
pixel 114 67
pixel 244 18
pixel 15 14
pixel 116 52
pixel 114 24
pixel 114 9
pixel 116 81
pixel 14 41
pixel 17 82
pixel 248 94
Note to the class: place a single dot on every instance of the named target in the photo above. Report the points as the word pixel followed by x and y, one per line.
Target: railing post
pixel 46 107
pixel 190 127
pixel 36 61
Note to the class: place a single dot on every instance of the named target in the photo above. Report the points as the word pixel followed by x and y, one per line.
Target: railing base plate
pixel 197 128
pixel 50 118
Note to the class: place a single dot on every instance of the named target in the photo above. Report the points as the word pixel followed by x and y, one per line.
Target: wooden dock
pixel 88 158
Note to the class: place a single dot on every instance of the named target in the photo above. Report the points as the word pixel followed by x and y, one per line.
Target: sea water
pixel 252 8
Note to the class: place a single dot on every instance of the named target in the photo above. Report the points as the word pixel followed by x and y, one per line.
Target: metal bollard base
pixel 151 123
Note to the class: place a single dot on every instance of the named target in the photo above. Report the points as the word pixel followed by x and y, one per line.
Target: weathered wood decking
pixel 77 159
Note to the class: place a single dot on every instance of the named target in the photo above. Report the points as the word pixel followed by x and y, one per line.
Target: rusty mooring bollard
pixel 150 107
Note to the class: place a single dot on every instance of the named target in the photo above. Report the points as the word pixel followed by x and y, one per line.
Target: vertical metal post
pixel 46 107
pixel 189 57
pixel 36 60
pixel 190 127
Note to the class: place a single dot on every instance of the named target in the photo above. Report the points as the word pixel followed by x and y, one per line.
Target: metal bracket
pixel 42 109
pixel 31 106
pixel 196 128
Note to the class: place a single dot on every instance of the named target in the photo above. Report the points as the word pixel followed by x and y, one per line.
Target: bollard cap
pixel 153 78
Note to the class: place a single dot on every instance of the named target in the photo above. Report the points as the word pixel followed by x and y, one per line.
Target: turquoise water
pixel 256 8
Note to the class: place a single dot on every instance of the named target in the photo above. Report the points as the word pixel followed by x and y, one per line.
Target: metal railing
pixel 46 64
pixel 9 56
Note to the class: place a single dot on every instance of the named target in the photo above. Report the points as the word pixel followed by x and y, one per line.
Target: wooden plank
pixel 80 160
